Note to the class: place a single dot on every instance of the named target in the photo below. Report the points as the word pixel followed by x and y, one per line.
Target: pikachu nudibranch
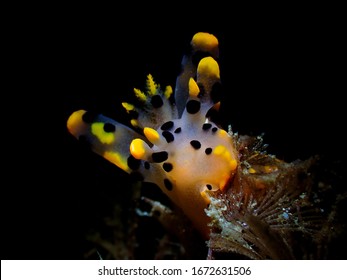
pixel 181 150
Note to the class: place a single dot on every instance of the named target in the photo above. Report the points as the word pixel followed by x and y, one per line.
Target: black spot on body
pixel 168 185
pixel 160 156
pixel 157 101
pixel 213 115
pixel 214 129
pixel 133 163
pixel 193 106
pixel 168 136
pixel 109 127
pixel 196 144
pixel 89 117
pixel 168 125
pixel 208 151
pixel 202 91
pixel 167 166
pixel 178 130
pixel 206 126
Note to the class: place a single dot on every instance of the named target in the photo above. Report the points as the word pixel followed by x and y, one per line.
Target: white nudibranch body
pixel 181 149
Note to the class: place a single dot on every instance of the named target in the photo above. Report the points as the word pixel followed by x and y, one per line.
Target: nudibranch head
pixel 180 148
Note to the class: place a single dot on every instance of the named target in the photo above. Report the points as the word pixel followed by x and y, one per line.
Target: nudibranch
pixel 174 142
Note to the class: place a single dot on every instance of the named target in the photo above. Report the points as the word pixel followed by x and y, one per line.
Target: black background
pixel 283 75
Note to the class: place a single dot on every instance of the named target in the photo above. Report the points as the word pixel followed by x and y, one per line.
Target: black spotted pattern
pixel 133 163
pixel 195 144
pixel 157 101
pixel 168 185
pixel 109 127
pixel 168 125
pixel 160 156
pixel 214 129
pixel 213 115
pixel 206 126
pixel 208 151
pixel 202 91
pixel 167 166
pixel 168 136
pixel 178 130
pixel 193 106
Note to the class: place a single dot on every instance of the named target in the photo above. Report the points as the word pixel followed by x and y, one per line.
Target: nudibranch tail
pixel 180 148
